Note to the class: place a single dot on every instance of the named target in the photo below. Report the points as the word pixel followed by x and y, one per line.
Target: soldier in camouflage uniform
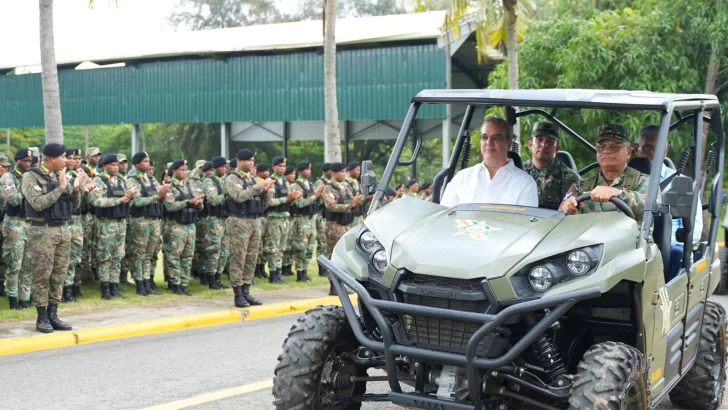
pixel 110 200
pixel 88 221
pixel 353 180
pixel 223 264
pixel 182 206
pixel 215 224
pixel 125 261
pixel 4 166
pixel 14 233
pixel 303 212
pixel 339 204
pixel 262 171
pixel 73 274
pixel 290 176
pixel 320 219
pixel 615 178
pixel 413 185
pixel 145 223
pixel 49 201
pixel 425 192
pixel 553 178
pixel 195 177
pixel 244 204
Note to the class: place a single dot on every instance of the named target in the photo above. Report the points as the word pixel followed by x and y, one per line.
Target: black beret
pixel 169 172
pixel 262 167
pixel 217 162
pixel 390 192
pixel 398 187
pixel 178 163
pixel 23 153
pixel 54 150
pixel 338 166
pixel 326 167
pixel 151 163
pixel 302 166
pixel 207 166
pixel 289 170
pixel 411 182
pixel 278 160
pixel 139 157
pixel 34 161
pixel 424 186
pixel 352 165
pixel 233 163
pixel 245 154
pixel 108 159
pixel 72 152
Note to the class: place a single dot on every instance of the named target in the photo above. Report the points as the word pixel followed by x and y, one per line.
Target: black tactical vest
pixel 71 181
pixel 219 211
pixel 60 210
pixel 155 210
pixel 87 208
pixel 281 191
pixel 308 210
pixel 115 212
pixel 252 208
pixel 341 218
pixel 184 216
pixel 19 210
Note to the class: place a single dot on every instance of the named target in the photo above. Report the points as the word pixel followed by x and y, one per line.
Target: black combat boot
pixel 275 277
pixel 302 277
pixel 105 291
pixel 257 273
pixel 204 279
pixel 26 304
pixel 77 291
pixel 177 290
pixel 64 294
pixel 184 291
pixel 56 323
pixel 68 294
pixel 42 324
pixel 212 283
pixel 251 300
pixel 13 303
pixel 240 300
pixel 116 291
pixel 2 289
pixel 218 280
pixel 140 290
pixel 286 271
pixel 263 275
pixel 153 284
pixel 147 283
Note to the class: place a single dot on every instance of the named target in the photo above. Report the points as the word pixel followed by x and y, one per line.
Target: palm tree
pixel 49 76
pixel 332 142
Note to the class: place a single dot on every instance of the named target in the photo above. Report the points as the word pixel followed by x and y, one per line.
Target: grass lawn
pixel 91 300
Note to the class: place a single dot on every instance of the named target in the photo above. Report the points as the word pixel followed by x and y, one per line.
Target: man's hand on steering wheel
pixel 604 193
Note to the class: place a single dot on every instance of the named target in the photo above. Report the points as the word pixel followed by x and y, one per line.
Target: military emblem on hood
pixel 478 230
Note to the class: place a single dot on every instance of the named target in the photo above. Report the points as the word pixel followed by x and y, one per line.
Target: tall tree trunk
pixel 711 81
pixel 512 50
pixel 333 141
pixel 49 75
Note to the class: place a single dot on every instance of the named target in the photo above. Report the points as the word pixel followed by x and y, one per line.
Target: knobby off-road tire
pixel 610 376
pixel 703 387
pixel 320 332
pixel 723 286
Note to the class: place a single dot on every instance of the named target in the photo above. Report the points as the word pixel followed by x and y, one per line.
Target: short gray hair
pixel 502 122
pixel 649 131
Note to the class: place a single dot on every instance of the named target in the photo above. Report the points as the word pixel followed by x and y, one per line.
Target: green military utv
pixel 493 306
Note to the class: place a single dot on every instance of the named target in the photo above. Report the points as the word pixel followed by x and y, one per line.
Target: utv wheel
pixel 304 376
pixel 723 286
pixel 702 388
pixel 611 376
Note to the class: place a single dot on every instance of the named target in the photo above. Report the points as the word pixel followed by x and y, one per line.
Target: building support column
pixel 135 131
pixel 224 139
pixel 345 137
pixel 447 122
pixel 286 135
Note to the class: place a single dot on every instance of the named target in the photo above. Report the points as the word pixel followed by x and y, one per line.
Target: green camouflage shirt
pixel 552 182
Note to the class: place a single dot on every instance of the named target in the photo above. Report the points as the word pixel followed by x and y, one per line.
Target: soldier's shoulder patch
pixel 239 186
pixel 9 187
pixel 37 188
pixel 211 189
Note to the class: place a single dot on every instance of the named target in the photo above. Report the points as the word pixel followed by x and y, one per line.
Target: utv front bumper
pixel 470 360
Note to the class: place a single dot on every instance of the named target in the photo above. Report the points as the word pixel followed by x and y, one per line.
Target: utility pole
pixel 86 135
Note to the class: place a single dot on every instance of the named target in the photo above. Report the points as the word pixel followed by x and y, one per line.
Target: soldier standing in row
pixel 215 224
pixel 290 176
pixel 4 167
pixel 262 171
pixel 49 200
pixel 73 274
pixel 303 211
pixel 195 178
pixel 352 178
pixel 244 204
pixel 125 261
pixel 88 221
pixel 320 219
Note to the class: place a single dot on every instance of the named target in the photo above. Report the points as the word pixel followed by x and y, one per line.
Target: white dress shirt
pixel 510 186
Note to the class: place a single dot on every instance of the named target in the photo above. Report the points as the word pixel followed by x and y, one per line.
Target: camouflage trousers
pixel 244 242
pixel 18 276
pixel 211 244
pixel 145 241
pixel 51 248
pixel 260 227
pixel 199 258
pixel 126 260
pixel 222 262
pixel 88 260
pixel 2 260
pixel 321 247
pixel 73 274
pixel 110 248
pixel 179 249
pixel 334 232
pixel 275 240
pixel 303 234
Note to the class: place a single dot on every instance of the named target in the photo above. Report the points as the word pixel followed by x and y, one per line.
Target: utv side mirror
pixel 679 197
pixel 368 178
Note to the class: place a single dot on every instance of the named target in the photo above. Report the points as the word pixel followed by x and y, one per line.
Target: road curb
pixel 59 340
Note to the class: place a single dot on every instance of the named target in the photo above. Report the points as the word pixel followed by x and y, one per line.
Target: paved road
pixel 219 367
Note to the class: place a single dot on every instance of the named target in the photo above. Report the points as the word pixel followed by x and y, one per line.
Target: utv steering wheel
pixel 616 201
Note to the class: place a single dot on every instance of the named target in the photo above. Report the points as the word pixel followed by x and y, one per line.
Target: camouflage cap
pixel 92 151
pixel 122 157
pixel 546 129
pixel 35 151
pixel 4 161
pixel 614 132
pixel 199 163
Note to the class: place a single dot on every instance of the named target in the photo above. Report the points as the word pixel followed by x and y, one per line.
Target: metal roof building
pixel 261 83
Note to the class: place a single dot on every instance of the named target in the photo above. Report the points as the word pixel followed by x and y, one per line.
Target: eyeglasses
pixel 494 138
pixel 610 148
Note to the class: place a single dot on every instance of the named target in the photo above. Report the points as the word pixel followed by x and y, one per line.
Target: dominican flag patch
pixel 569 194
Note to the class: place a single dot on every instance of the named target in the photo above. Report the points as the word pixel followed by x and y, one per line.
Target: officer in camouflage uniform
pixel 73 274
pixel 215 224
pixel 4 167
pixel 195 177
pixel 145 225
pixel 290 176
pixel 303 212
pixel 125 261
pixel 339 203
pixel 110 200
pixel 352 179
pixel 49 201
pixel 244 204
pixel 262 172
pixel 425 192
pixel 88 221
pixel 553 178
pixel 615 178
pixel 182 206
pixel 320 219
pixel 223 264
pixel 14 233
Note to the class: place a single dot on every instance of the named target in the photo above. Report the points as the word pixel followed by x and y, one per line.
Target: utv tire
pixel 703 387
pixel 610 376
pixel 319 333
pixel 723 286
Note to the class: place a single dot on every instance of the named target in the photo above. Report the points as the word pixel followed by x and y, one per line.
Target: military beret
pixel 122 158
pixel 218 162
pixel 139 157
pixel 326 167
pixel 390 192
pixel 178 163
pixel 352 165
pixel 425 186
pixel 34 161
pixel 245 154
pixel 169 172
pixel 72 152
pixel 151 163
pixel 289 170
pixel 398 187
pixel 93 151
pixel 206 166
pixel 338 166
pixel 302 166
pixel 233 163
pixel 278 160
pixel 54 150
pixel 262 167
pixel 412 181
pixel 199 163
pixel 23 153
pixel 108 159
pixel 546 129
pixel 614 132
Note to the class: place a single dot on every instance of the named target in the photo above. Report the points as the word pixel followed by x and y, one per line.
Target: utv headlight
pixel 379 260
pixel 540 278
pixel 372 250
pixel 578 262
pixel 369 242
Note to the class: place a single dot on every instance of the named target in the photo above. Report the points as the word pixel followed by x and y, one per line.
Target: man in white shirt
pixel 496 180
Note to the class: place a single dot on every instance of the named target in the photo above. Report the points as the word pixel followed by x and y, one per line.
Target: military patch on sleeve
pixel 37 187
pixel 331 195
pixel 569 194
pixel 239 186
pixel 98 188
pixel 9 187
pixel 211 189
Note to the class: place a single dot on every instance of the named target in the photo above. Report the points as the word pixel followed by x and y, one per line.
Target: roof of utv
pixel 570 98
